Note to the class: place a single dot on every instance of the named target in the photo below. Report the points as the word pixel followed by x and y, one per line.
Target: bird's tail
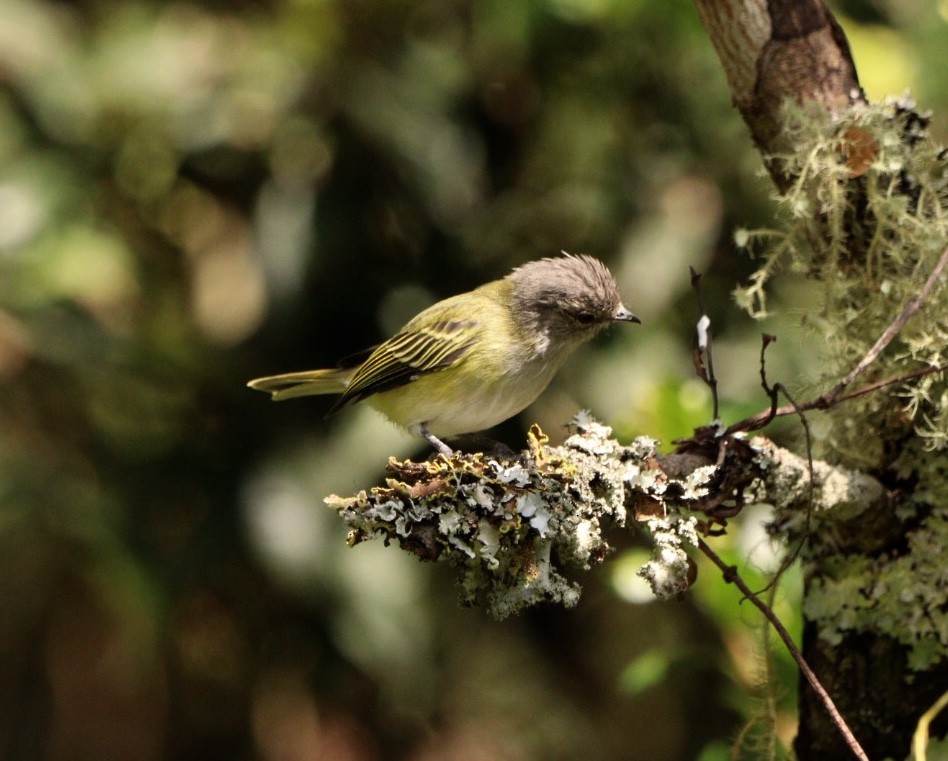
pixel 306 383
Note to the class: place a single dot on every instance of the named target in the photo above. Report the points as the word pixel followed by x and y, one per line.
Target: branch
pixel 703 351
pixel 835 395
pixel 895 327
pixel 510 526
pixel 761 419
pixel 732 576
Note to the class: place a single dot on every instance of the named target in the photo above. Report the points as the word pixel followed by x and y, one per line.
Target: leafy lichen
pixel 511 526
pixel 902 597
pixel 858 579
pixel 670 570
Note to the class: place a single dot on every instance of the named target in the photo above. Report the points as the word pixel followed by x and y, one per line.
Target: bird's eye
pixel 586 318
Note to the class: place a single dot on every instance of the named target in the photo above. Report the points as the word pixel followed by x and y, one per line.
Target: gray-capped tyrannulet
pixel 473 360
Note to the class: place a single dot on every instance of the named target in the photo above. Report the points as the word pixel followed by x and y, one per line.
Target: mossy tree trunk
pixel 876 630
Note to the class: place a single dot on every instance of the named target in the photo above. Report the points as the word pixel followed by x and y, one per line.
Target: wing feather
pixel 409 355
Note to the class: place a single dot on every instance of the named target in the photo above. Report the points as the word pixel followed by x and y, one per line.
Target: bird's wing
pixel 410 354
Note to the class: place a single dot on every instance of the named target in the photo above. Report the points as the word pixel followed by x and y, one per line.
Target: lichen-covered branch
pixel 510 527
pixel 839 495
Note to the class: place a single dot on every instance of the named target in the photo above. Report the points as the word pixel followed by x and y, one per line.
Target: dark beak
pixel 624 315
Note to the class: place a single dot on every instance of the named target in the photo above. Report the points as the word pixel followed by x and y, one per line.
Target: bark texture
pixel 775 51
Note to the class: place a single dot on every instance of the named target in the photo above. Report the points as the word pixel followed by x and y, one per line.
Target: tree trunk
pixel 876 625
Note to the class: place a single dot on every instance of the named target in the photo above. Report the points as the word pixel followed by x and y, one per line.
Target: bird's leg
pixel 435 441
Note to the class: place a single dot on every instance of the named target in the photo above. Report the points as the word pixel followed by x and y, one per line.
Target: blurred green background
pixel 196 193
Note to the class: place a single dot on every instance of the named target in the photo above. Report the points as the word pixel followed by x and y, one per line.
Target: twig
pixel 764 417
pixel 731 575
pixel 769 415
pixel 913 305
pixel 811 488
pixel 703 349
pixel 774 393
pixel 835 394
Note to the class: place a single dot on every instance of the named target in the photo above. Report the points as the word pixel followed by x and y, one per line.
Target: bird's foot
pixel 435 441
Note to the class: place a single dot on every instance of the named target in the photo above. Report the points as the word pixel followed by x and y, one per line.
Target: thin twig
pixel 731 575
pixel 913 305
pixel 766 340
pixel 774 392
pixel 835 394
pixel 764 417
pixel 703 345
pixel 790 559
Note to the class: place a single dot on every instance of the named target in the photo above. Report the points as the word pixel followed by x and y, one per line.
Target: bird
pixel 471 361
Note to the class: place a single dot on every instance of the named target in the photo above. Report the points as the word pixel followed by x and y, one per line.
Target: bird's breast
pixel 466 398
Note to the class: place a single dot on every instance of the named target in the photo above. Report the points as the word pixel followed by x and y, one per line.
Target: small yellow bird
pixel 476 359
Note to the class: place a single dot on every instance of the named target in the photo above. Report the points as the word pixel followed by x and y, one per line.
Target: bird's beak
pixel 624 315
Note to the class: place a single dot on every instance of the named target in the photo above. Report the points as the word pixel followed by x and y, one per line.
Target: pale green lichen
pixel 786 479
pixel 856 580
pixel 902 597
pixel 510 527
pixel 669 572
pixel 867 217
